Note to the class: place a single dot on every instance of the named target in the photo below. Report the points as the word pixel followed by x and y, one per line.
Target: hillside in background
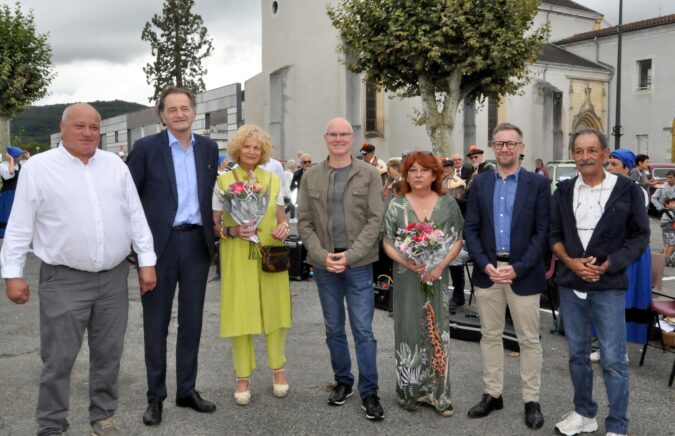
pixel 38 122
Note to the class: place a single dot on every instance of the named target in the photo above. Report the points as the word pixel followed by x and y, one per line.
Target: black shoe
pixel 371 404
pixel 453 305
pixel 195 401
pixel 340 394
pixel 153 414
pixel 487 404
pixel 533 417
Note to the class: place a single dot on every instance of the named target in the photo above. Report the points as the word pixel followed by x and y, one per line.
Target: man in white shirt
pixel 77 207
pixel 291 167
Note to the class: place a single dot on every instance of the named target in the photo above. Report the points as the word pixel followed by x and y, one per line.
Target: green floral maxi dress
pixel 421 329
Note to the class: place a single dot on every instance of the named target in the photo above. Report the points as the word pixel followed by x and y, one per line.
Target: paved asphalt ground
pixel 305 410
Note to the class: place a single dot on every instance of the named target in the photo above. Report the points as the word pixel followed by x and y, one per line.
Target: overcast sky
pixel 99 55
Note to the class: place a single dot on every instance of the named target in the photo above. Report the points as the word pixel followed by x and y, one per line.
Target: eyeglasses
pixel 334 135
pixel 474 156
pixel 510 145
pixel 306 161
pixel 458 160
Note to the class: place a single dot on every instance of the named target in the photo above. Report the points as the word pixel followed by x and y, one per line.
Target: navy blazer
pixel 621 235
pixel 151 165
pixel 529 231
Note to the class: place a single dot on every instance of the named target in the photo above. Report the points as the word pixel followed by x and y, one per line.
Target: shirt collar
pixel 72 158
pixel 173 140
pixel 609 180
pixel 514 175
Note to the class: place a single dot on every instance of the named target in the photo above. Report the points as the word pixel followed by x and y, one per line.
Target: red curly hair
pixel 427 160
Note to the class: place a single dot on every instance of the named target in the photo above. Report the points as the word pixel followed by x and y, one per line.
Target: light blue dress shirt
pixel 502 202
pixel 186 182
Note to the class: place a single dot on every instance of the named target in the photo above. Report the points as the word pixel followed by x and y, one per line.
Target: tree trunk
pixel 4 136
pixel 440 122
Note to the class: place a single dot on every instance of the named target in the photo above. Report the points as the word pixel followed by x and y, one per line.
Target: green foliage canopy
pixel 179 42
pixel 26 68
pixel 440 50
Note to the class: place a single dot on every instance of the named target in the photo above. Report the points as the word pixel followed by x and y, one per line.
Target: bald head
pixel 78 107
pixel 339 138
pixel 338 123
pixel 81 130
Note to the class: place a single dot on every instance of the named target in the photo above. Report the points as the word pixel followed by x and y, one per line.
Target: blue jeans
pixel 604 310
pixel 356 285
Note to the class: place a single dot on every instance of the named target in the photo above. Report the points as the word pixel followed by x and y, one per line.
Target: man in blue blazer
pixel 175 171
pixel 506 233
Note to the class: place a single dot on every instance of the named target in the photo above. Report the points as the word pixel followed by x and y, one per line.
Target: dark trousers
pixel 458 282
pixel 72 302
pixel 289 207
pixel 185 262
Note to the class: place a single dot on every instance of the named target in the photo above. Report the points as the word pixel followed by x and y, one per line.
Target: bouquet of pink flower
pixel 424 242
pixel 245 202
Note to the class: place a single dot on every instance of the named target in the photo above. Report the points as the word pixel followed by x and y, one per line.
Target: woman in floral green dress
pixel 421 326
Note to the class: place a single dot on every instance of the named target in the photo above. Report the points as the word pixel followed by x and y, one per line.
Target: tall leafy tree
pixel 26 68
pixel 440 50
pixel 179 42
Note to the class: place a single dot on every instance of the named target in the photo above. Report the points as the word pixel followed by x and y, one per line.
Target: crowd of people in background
pixel 349 212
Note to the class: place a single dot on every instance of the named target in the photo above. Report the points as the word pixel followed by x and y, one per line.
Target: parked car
pixel 559 170
pixel 658 171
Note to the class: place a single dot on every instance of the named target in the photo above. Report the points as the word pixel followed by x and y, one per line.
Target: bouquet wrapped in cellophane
pixel 246 203
pixel 424 242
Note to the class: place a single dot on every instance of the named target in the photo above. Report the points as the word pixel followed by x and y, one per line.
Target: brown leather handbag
pixel 275 258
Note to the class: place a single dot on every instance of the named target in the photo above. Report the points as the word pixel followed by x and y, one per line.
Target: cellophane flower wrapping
pixel 246 202
pixel 424 242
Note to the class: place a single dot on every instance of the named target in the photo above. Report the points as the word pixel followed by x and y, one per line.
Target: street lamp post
pixel 616 131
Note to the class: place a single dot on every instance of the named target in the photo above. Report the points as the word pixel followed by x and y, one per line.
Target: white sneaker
pixel 293 221
pixel 573 423
pixel 615 434
pixel 595 357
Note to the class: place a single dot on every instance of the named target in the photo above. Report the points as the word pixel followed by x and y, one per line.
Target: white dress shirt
pixel 81 216
pixel 276 167
pixel 589 204
pixel 4 170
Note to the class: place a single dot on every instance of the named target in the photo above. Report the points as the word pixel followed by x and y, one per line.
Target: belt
pixel 186 228
pixel 503 257
pixel 339 250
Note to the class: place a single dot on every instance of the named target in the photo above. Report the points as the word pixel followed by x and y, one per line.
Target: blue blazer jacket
pixel 529 231
pixel 151 166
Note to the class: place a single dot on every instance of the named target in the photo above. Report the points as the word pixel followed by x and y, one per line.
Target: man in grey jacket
pixel 339 216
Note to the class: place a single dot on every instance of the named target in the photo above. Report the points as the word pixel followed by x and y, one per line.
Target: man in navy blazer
pixel 506 233
pixel 175 171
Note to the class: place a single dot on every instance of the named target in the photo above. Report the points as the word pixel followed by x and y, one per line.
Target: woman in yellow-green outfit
pixel 252 301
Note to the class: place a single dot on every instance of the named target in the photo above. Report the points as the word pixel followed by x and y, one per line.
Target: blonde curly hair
pixel 250 131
